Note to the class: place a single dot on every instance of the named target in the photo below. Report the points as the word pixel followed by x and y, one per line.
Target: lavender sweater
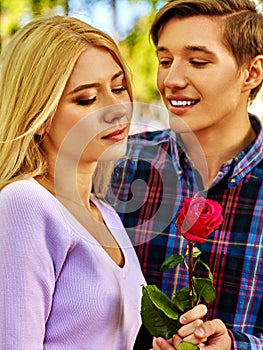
pixel 59 289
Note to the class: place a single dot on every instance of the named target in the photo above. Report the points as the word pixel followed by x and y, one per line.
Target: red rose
pixel 198 218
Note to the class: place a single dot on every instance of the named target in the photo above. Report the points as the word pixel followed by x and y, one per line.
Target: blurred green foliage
pixel 14 14
pixel 137 48
pixel 139 52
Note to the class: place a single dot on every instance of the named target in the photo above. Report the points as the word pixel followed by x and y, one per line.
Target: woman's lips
pixel 117 135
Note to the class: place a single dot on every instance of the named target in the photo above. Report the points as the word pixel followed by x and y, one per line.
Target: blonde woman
pixel 69 276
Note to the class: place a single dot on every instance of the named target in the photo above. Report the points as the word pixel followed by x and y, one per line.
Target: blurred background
pixel 128 21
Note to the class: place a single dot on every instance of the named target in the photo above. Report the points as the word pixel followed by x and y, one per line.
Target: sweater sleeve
pixel 31 257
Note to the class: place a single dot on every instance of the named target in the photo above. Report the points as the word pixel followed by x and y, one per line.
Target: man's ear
pixel 254 73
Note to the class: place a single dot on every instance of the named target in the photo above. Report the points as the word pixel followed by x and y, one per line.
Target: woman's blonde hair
pixel 34 69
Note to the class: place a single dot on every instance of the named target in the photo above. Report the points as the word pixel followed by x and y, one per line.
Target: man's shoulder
pixel 147 151
pixel 151 137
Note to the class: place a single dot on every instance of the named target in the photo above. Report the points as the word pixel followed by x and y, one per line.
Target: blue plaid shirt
pixel 149 186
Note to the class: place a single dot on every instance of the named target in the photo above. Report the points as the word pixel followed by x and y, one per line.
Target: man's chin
pixel 178 124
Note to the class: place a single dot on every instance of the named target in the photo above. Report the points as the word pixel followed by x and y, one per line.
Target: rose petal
pixel 198 218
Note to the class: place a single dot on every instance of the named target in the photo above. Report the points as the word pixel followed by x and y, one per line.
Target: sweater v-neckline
pixel 107 216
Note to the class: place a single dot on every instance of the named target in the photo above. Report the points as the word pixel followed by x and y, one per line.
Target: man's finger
pixel 189 328
pixel 197 312
pixel 209 328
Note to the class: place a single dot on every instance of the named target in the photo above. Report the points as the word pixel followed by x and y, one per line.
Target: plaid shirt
pixel 149 187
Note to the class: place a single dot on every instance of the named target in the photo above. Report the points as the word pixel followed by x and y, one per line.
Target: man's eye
pixel 85 102
pixel 119 89
pixel 199 63
pixel 165 63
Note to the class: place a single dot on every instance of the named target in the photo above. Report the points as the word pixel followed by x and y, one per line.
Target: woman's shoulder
pixel 30 216
pixel 23 188
pixel 25 204
pixel 26 195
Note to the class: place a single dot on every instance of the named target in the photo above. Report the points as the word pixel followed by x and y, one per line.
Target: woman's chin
pixel 114 152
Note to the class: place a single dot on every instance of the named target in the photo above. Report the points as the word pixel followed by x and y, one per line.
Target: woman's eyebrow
pixel 92 85
pixel 83 87
pixel 117 75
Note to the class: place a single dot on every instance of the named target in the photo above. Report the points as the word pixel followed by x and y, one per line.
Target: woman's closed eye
pixel 85 102
pixel 118 90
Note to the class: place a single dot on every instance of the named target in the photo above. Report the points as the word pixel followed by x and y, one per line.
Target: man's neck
pixel 216 148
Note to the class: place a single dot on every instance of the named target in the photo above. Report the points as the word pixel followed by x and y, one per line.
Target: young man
pixel 210 55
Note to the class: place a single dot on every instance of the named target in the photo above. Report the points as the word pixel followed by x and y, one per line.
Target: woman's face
pixel 91 122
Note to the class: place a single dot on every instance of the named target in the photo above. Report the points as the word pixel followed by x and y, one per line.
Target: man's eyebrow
pixel 161 48
pixel 92 85
pixel 190 48
pixel 199 48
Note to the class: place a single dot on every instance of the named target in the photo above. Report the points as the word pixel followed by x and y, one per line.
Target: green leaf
pixel 187 346
pixel 204 288
pixel 196 252
pixel 181 299
pixel 210 275
pixel 171 262
pixel 158 313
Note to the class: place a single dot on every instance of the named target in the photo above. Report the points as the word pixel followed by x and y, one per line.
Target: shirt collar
pixel 251 155
pixel 241 163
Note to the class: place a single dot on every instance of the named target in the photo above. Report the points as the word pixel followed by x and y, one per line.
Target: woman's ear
pixel 44 128
pixel 254 73
pixel 41 131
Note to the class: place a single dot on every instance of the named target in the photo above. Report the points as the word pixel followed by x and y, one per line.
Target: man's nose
pixel 175 77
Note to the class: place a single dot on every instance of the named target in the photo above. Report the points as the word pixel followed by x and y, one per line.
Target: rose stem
pixel 190 272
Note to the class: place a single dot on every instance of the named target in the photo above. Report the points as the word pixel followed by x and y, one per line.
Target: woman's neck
pixel 69 185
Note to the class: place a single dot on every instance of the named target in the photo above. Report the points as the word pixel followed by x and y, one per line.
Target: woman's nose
pixel 117 113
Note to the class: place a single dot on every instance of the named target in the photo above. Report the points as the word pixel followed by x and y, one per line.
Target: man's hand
pixel 216 333
pixel 210 335
pixel 190 320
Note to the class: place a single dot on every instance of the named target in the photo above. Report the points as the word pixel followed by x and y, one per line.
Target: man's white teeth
pixel 182 103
